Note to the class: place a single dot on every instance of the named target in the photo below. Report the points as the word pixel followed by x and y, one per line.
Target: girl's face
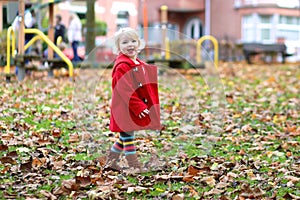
pixel 129 46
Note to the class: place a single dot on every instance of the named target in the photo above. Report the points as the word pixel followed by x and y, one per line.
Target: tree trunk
pixel 90 27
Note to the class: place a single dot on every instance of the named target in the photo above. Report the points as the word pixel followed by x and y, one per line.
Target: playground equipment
pixel 185 52
pixel 180 52
pixel 10 33
pixel 216 48
pixel 20 57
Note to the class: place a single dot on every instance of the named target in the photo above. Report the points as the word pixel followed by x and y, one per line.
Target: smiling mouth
pixel 131 50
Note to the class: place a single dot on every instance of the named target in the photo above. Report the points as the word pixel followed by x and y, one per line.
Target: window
pixel 265 19
pixel 247 19
pixel 251 2
pixel 193 28
pixel 265 34
pixel 289 20
pixel 288 28
pixel 289 34
pixel 248 28
pixel 265 26
pixel 122 19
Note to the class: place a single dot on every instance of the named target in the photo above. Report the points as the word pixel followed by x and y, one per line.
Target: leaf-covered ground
pixel 54 137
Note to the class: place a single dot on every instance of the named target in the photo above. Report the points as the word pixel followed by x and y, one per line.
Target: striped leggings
pixel 125 143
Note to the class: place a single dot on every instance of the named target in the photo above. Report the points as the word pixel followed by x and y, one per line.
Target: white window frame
pixel 266 26
pixel 248 26
pixel 197 24
pixel 289 27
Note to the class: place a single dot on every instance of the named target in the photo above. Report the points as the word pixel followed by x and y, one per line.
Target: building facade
pixel 236 21
pixel 262 21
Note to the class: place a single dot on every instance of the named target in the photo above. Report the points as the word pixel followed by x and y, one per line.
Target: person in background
pixel 75 35
pixel 59 29
pixel 29 22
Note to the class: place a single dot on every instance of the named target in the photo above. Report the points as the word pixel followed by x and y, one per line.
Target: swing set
pixel 20 57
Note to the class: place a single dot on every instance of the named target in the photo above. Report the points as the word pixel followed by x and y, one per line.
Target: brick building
pixel 265 21
pixel 236 21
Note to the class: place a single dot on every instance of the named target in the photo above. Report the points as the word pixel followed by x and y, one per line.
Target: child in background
pixel 135 102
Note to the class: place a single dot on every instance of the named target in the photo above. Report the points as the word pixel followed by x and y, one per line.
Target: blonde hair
pixel 128 32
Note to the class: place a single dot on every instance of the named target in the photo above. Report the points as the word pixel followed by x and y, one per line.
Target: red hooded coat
pixel 134 88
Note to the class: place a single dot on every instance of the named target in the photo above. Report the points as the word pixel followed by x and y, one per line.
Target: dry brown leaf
pixel 213 191
pixel 5 170
pixel 209 180
pixel 6 159
pixel 48 195
pixel 3 147
pixel 83 181
pixel 291 196
pixel 193 192
pixel 56 132
pixel 178 197
pixel 292 178
pixel 13 154
pixel 73 138
pixel 193 171
pixel 38 162
pixel 70 185
pixel 44 142
pixel 58 164
pixel 246 128
pixel 229 99
pixel 188 178
pixel 221 185
pixel 7 137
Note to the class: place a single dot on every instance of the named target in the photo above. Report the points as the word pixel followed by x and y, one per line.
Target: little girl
pixel 135 102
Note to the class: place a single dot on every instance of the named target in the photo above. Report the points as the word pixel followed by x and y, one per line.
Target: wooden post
pixel 1 14
pixel 90 27
pixel 21 41
pixel 51 29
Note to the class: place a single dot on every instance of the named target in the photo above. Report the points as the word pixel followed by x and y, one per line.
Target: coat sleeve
pixel 125 90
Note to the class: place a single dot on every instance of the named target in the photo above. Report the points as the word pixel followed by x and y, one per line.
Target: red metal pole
pixel 21 29
pixel 145 12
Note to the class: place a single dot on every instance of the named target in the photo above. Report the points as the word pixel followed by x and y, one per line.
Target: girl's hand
pixel 144 113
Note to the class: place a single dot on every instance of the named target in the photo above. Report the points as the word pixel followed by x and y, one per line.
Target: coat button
pixel 140 84
pixel 135 69
pixel 145 100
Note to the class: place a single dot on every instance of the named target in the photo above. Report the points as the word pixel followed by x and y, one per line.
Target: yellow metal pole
pixel 53 46
pixel 13 43
pixel 164 21
pixel 167 44
pixel 10 35
pixel 31 42
pixel 216 49
pixel 59 40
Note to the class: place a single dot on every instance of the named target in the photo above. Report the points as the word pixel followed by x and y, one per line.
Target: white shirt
pixel 29 21
pixel 74 30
